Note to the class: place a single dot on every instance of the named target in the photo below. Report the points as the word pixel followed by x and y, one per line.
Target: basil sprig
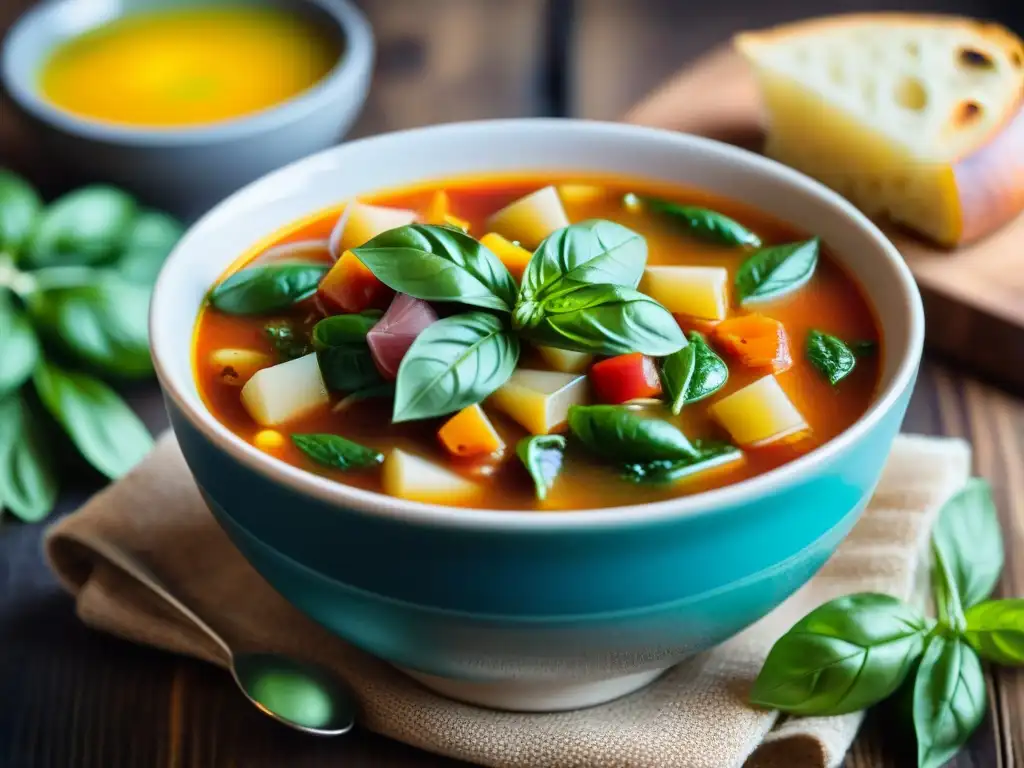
pixel 342 353
pixel 267 288
pixel 542 456
pixel 770 273
pixel 705 224
pixel 830 356
pixel 709 456
pixel 854 652
pixel 288 339
pixel 692 373
pixel 618 433
pixel 337 452
pixel 75 280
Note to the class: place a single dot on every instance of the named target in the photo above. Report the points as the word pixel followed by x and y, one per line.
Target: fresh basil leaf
pixel 844 656
pixel 996 631
pixel 87 226
pixel 949 699
pixel 455 362
pixel 337 452
pixel 19 206
pixel 19 348
pixel 776 271
pixel 600 319
pixel 436 263
pixel 945 592
pixel 662 472
pixel 618 433
pixel 692 373
pixel 596 251
pixel 863 348
pixel 830 356
pixel 968 536
pixel 346 363
pixel 147 245
pixel 289 341
pixel 28 485
pixel 103 428
pixel 268 288
pixel 706 224
pixel 542 456
pixel 103 323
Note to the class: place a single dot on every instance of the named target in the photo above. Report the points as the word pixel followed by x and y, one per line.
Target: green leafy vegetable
pixel 692 373
pixel 863 348
pixel 19 348
pixel 288 339
pixel 776 271
pixel 102 323
pixel 600 319
pixel 373 392
pixel 709 456
pixel 88 226
pixel 19 208
pixel 28 485
pixel 455 362
pixel 337 452
pixel 618 433
pixel 105 430
pixel 844 656
pixel 706 224
pixel 595 252
pixel 268 288
pixel 968 537
pixel 342 352
pixel 830 356
pixel 996 631
pixel 949 699
pixel 436 263
pixel 147 245
pixel 542 455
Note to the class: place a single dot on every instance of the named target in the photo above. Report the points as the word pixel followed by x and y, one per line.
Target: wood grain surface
pixel 73 698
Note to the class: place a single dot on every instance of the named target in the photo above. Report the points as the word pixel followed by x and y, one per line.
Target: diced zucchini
pixel 759 414
pixel 367 221
pixel 470 433
pixel 532 218
pixel 406 476
pixel 695 291
pixel 565 360
pixel 283 392
pixel 236 366
pixel 540 400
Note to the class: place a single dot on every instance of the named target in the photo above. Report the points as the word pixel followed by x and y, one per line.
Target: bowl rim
pixel 372 503
pixel 354 64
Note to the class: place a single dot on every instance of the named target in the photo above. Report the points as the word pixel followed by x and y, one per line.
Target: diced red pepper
pixel 351 287
pixel 624 378
pixel 758 341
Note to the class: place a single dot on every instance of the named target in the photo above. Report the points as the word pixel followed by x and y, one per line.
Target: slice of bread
pixel 919 118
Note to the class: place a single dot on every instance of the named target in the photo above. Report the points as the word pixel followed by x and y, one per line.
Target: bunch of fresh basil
pixel 578 292
pixel 75 282
pixel 854 652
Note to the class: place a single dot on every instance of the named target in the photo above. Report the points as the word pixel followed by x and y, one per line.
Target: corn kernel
pixel 268 440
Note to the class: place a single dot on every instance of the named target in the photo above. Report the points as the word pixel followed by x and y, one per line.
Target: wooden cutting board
pixel 974 296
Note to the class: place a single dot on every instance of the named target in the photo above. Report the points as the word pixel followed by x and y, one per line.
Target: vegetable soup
pixel 546 343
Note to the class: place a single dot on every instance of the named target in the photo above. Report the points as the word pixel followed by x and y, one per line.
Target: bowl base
pixel 536 695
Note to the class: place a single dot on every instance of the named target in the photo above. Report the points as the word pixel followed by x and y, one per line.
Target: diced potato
pixel 367 221
pixel 540 400
pixel 759 414
pixel 236 366
pixel 440 206
pixel 269 440
pixel 285 391
pixel 532 218
pixel 514 257
pixel 696 291
pixel 580 194
pixel 406 476
pixel 470 433
pixel 565 360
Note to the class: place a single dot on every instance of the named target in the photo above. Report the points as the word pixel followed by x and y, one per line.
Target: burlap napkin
pixel 695 716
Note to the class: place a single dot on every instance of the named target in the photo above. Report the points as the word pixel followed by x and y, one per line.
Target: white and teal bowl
pixel 519 610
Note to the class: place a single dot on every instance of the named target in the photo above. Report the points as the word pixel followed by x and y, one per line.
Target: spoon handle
pixel 147 578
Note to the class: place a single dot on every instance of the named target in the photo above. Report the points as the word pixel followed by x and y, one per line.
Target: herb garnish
pixel 692 373
pixel 776 271
pixel 706 224
pixel 832 358
pixel 337 452
pixel 542 456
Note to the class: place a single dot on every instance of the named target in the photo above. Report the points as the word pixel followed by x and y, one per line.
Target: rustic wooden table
pixel 72 698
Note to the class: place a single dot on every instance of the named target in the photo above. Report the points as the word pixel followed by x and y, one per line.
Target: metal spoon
pixel 301 695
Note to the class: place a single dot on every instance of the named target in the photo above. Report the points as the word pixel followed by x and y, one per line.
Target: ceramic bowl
pixel 186 170
pixel 519 610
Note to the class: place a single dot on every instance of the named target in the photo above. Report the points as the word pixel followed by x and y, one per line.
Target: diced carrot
pixel 624 378
pixel 514 257
pixel 351 287
pixel 439 208
pixel 470 433
pixel 758 341
pixel 698 324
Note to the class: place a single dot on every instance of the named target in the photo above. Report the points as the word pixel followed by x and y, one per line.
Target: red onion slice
pixel 395 332
pixel 301 249
pixel 339 229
